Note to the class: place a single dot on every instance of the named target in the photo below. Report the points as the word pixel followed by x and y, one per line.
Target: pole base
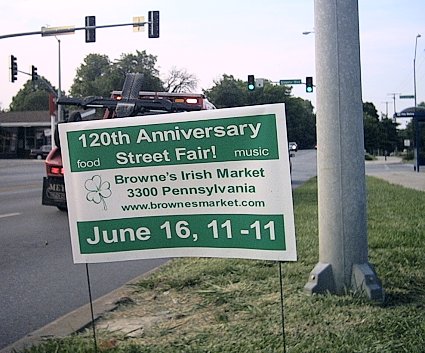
pixel 321 280
pixel 363 280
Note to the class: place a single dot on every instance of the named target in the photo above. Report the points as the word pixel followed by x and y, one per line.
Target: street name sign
pixel 407 96
pixel 212 183
pixel 290 82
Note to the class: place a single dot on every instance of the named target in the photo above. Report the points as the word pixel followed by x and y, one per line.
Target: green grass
pixel 218 305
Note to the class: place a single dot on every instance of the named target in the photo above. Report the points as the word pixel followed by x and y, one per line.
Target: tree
pixel 98 76
pixel 372 128
pixel 379 136
pixel 92 77
pixel 271 93
pixel 301 123
pixel 369 109
pixel 180 81
pixel 371 133
pixel 33 96
pixel 227 92
pixel 389 139
pixel 141 62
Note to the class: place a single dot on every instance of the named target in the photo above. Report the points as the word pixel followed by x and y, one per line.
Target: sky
pixel 211 38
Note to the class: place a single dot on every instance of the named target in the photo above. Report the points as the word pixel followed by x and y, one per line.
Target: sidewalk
pixel 406 177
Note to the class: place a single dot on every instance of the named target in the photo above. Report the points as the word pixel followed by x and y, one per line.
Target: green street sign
pixel 290 82
pixel 407 96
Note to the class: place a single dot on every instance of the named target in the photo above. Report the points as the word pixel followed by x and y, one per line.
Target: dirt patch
pixel 148 315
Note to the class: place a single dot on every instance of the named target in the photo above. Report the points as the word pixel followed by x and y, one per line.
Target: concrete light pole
pixel 343 249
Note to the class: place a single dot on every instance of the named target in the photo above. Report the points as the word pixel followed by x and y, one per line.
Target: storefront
pixel 22 131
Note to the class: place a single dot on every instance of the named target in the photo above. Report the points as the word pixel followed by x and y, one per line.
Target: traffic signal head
pixel 251 82
pixel 153 24
pixel 91 32
pixel 13 68
pixel 65 115
pixel 309 84
pixel 34 75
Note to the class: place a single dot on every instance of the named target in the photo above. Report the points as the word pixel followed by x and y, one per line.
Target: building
pixel 22 131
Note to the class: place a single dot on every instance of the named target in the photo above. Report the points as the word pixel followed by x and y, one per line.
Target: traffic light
pixel 65 115
pixel 309 84
pixel 153 24
pixel 91 32
pixel 251 82
pixel 34 75
pixel 13 68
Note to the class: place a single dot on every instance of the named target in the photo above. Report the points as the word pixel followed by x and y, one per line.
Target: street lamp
pixel 416 152
pixel 414 67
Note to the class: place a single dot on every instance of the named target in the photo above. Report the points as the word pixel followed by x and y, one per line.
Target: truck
pixel 130 101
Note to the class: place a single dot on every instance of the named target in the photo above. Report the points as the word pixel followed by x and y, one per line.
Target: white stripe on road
pixel 9 215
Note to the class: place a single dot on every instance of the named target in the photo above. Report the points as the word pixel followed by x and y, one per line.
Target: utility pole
pixel 343 248
pixel 394 95
pixel 386 108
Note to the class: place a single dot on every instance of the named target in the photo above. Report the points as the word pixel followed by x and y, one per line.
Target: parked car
pixel 293 147
pixel 40 153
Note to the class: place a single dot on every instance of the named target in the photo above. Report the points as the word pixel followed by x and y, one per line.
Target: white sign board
pixel 211 183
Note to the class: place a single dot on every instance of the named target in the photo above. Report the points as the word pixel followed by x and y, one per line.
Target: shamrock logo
pixel 98 191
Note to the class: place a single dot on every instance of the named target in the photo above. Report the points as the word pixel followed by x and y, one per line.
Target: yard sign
pixel 211 183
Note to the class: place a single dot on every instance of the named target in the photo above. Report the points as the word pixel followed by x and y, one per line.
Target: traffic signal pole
pixel 53 31
pixel 343 248
pixel 90 29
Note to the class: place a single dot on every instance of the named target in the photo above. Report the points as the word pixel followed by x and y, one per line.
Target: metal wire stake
pixel 91 309
pixel 282 307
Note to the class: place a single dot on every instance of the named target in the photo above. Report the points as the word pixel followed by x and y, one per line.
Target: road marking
pixel 9 215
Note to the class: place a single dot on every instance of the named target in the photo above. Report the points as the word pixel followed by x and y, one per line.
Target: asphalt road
pixel 39 282
pixel 304 166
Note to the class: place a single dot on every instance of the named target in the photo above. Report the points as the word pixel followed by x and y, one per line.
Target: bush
pixel 369 157
pixel 408 156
